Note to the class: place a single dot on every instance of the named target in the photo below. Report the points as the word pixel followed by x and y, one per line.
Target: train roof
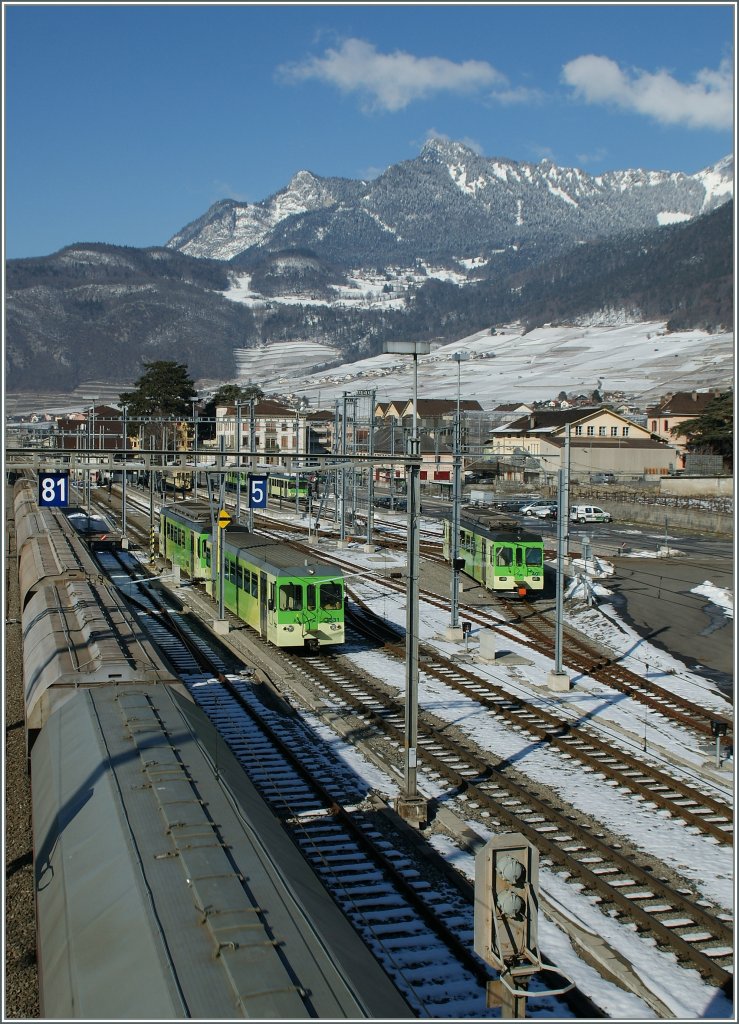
pixel 275 557
pixel 500 527
pixel 167 887
pixel 190 513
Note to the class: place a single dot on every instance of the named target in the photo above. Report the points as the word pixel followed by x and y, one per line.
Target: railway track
pixel 624 883
pixel 419 927
pixel 698 933
pixel 536 629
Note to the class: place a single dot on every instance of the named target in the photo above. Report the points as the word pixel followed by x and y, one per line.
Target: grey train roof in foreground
pixel 165 886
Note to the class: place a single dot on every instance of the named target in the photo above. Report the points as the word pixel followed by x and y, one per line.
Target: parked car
pixel 603 478
pixel 589 514
pixel 545 511
pixel 528 508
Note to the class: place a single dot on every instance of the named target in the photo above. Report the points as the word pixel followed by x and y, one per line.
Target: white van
pixel 589 514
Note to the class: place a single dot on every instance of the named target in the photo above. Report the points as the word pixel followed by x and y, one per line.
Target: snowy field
pixel 640 361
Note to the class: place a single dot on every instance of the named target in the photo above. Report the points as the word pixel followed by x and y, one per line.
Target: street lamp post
pixel 455 632
pixel 410 805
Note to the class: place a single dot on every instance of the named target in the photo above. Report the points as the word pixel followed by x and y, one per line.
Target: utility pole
pixel 238 460
pixel 252 449
pixel 123 482
pixel 342 477
pixel 195 451
pixel 558 678
pixel 371 472
pixel 454 632
pixel 410 805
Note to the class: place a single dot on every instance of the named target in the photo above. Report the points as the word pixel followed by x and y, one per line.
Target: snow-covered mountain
pixel 451 203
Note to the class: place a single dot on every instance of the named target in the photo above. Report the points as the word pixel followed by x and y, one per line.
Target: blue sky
pixel 125 122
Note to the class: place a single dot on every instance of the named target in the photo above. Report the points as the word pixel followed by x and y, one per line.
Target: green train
pixel 291 602
pixel 279 485
pixel 499 553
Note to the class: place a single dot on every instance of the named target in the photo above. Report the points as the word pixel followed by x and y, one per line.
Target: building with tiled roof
pixel 601 440
pixel 674 410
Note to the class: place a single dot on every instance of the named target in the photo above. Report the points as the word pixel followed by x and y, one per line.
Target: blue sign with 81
pixel 53 490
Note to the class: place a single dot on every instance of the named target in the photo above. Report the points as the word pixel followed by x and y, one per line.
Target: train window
pixel 240 577
pixel 291 597
pixel 254 584
pixel 330 596
pixel 533 556
pixel 310 597
pixel 504 555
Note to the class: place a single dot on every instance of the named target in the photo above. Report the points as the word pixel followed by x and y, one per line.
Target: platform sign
pixel 53 490
pixel 224 519
pixel 257 492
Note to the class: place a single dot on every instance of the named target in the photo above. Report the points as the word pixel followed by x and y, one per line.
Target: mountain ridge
pixel 485 203
pixel 328 266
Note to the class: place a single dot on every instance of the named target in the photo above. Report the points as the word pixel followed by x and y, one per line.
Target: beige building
pixel 278 430
pixel 674 410
pixel 601 441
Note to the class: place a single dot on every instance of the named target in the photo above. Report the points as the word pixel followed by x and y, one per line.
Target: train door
pixel 263 603
pixel 484 562
pixel 193 553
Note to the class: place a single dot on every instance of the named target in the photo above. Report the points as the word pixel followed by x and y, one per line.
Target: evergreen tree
pixel 165 389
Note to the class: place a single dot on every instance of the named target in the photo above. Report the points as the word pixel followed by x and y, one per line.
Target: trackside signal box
pixel 507 904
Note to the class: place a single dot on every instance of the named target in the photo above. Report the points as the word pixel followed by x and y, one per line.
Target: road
pixel 654 594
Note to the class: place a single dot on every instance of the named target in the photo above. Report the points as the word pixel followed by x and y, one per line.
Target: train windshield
pixel 533 556
pixel 291 597
pixel 504 555
pixel 330 596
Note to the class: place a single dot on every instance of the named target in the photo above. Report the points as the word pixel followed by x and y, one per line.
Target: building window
pixel 654 426
pixel 591 431
pixel 625 432
pixel 666 426
pixel 614 431
pixel 601 431
pixel 578 431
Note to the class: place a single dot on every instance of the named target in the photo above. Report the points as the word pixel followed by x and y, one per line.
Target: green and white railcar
pixel 185 536
pixel 498 553
pixel 292 603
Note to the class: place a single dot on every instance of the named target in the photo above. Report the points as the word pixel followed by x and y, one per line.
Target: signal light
pixel 507 904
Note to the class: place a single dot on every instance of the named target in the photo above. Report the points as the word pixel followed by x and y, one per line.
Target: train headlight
pixel 289 629
pixel 335 626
